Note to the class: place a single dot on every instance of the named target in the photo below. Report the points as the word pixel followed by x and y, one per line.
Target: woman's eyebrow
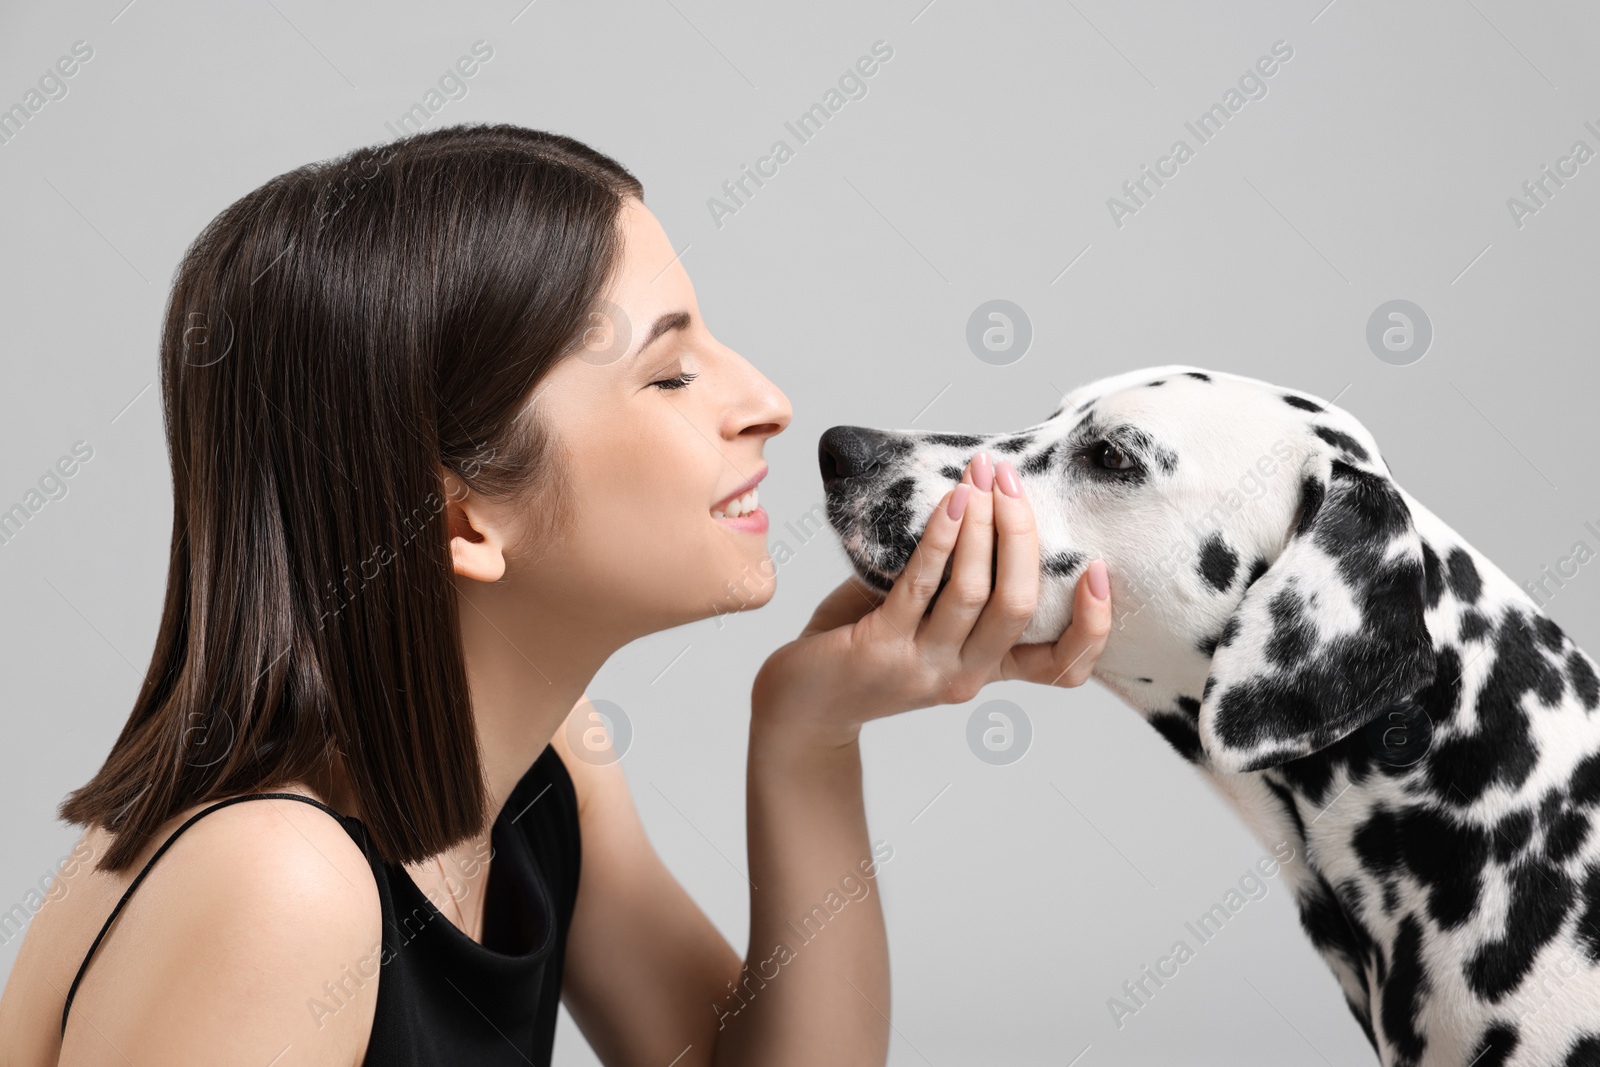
pixel 672 320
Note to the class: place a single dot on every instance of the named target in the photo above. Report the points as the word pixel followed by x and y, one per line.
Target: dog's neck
pixel 1159 690
pixel 1168 698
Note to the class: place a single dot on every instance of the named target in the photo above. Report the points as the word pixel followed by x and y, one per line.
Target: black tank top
pixel 443 998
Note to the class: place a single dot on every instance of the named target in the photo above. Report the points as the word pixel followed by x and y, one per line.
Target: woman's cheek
pixel 651 520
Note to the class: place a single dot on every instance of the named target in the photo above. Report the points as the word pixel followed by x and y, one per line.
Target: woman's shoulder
pixel 232 933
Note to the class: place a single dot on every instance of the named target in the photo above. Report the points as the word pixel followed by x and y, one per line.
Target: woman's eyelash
pixel 677 382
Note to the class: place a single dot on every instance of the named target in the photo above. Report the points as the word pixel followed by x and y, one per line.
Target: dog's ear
pixel 1330 634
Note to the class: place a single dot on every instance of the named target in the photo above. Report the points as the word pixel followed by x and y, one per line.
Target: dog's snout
pixel 848 452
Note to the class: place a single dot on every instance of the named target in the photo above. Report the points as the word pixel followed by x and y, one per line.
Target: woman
pixel 446 431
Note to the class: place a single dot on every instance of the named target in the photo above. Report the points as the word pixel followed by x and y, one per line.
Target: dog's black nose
pixel 849 452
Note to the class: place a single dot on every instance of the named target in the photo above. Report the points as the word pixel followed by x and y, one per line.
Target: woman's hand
pixel 865 655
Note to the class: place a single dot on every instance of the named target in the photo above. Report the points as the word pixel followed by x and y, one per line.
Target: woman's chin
pixel 747 586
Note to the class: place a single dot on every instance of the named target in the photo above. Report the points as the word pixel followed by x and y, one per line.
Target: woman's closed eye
pixel 677 381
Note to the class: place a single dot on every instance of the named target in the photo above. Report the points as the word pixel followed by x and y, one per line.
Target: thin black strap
pixel 151 862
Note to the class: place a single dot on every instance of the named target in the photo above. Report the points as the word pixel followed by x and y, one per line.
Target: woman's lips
pixel 754 522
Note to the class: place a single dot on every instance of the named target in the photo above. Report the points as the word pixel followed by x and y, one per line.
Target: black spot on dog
pixel 954 440
pixel 1303 404
pixel 1586 1053
pixel 1370 514
pixel 1342 441
pixel 1585 785
pixel 1230 630
pixel 1158 381
pixel 1039 462
pixel 1312 775
pixel 1180 733
pixel 889 520
pixel 1549 806
pixel 1013 444
pixel 1291 809
pixel 1085 406
pixel 1565 834
pixel 1502 748
pixel 1257 569
pixel 1541 896
pixel 1433 575
pixel 1442 854
pixel 1146 681
pixel 1588 929
pixel 1206 692
pixel 1293 636
pixel 1511 835
pixel 1549 632
pixel 1464 580
pixel 1224 637
pixel 1443 694
pixel 1474 624
pixel 1329 925
pixel 1584 682
pixel 1561 814
pixel 1218 562
pixel 1551 686
pixel 1404 991
pixel 1189 706
pixel 953 472
pixel 1198 375
pixel 1495 1046
pixel 1311 494
pixel 1063 563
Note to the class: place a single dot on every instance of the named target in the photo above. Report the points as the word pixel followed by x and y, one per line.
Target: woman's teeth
pixel 741 505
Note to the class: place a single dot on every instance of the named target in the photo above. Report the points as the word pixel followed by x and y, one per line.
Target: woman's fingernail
pixel 1099 585
pixel 982 472
pixel 958 500
pixel 1006 475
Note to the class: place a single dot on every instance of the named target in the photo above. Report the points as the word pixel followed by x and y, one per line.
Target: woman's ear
pixel 1330 635
pixel 477 545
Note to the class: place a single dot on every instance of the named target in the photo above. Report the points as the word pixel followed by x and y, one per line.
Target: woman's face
pixel 655 456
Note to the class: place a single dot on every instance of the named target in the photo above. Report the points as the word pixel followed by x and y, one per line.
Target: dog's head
pixel 1266 576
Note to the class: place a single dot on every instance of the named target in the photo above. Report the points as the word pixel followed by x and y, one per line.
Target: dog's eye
pixel 1109 457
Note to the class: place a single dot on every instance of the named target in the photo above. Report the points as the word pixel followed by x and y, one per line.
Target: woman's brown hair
pixel 333 343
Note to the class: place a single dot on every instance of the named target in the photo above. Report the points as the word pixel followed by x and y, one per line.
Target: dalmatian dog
pixel 1351 675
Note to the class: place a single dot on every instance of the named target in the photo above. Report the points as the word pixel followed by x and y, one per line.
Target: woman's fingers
pixel 971 570
pixel 991 546
pixel 1069 661
pixel 915 586
pixel 1016 575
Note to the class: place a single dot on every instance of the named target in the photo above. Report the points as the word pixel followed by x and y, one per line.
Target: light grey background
pixel 978 166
